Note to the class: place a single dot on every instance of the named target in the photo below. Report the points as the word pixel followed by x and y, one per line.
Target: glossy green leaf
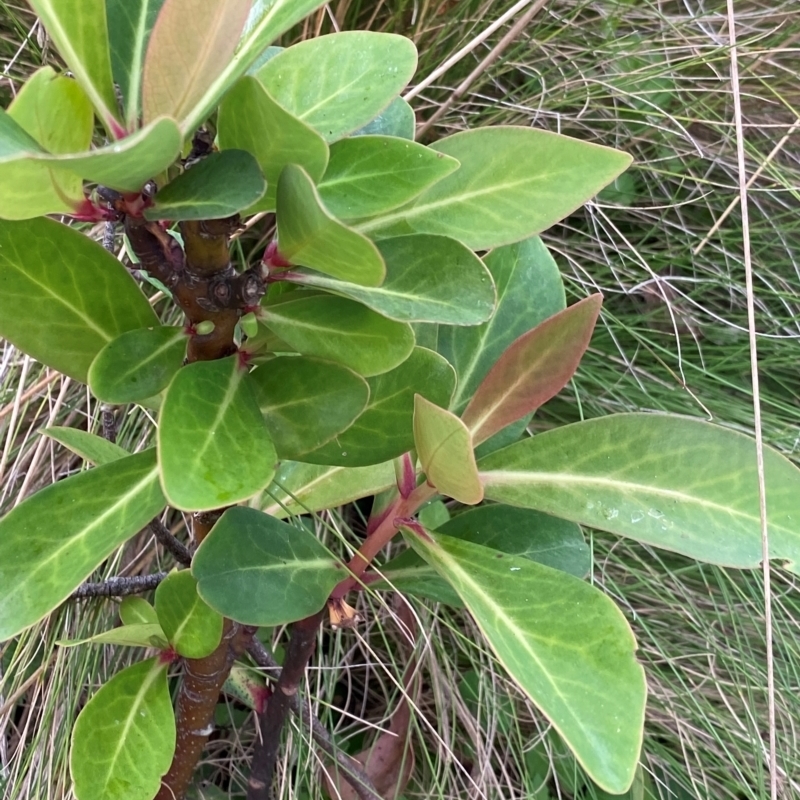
pixel 340 330
pixel 306 402
pixel 565 643
pixel 428 279
pixel 397 119
pixel 124 738
pixel 249 119
pixel 137 364
pixel 135 610
pixel 340 82
pixel 191 43
pixel 513 182
pixel 308 235
pixel 370 175
pixel 130 23
pixel 192 627
pixel 384 430
pixel 137 634
pixel 444 447
pixel 547 540
pixel 80 33
pixel 51 542
pixel 213 445
pixel 62 296
pixel 31 188
pixel 125 165
pixel 529 290
pixel 535 368
pixel 267 20
pixel 672 482
pixel 40 108
pixel 220 185
pixel 260 571
pixel 305 488
pixel 89 446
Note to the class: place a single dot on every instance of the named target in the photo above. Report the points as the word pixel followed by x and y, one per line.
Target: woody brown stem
pixel 271 721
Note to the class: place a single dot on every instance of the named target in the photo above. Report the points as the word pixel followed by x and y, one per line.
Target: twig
pixel 492 56
pixel 354 771
pixel 109 423
pixel 271 721
pixel 179 550
pixel 118 586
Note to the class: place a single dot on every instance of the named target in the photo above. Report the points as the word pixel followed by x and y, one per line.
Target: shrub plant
pixel 392 340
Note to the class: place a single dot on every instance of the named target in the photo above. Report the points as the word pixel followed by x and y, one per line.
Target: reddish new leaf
pixel 534 368
pixel 191 44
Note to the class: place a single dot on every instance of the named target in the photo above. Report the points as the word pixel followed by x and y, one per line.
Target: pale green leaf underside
pixel 62 297
pixel 53 541
pixel 672 482
pixel 141 634
pixel 397 119
pixel 213 446
pixel 305 488
pixel 260 571
pixel 89 446
pixel 565 643
pixel 124 739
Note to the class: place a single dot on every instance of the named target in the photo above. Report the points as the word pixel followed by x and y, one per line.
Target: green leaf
pixel 213 445
pixel 339 82
pixel 52 542
pixel 384 430
pixel 124 738
pixel 268 19
pixel 260 571
pixel 305 488
pixel 565 643
pixel 444 447
pixel 130 23
pixel 535 368
pixel 306 402
pixel 40 109
pixel 370 175
pixel 137 634
pixel 249 119
pixel 513 182
pixel 137 611
pixel 80 33
pixel 397 119
pixel 340 330
pixel 125 165
pixel 520 532
pixel 137 364
pixel 529 290
pixel 62 296
pixel 90 447
pixel 220 185
pixel 191 43
pixel 192 627
pixel 428 279
pixel 310 236
pixel 31 188
pixel 672 482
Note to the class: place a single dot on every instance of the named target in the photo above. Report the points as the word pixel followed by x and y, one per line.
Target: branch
pixel 179 550
pixel 354 771
pixel 119 587
pixel 271 721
